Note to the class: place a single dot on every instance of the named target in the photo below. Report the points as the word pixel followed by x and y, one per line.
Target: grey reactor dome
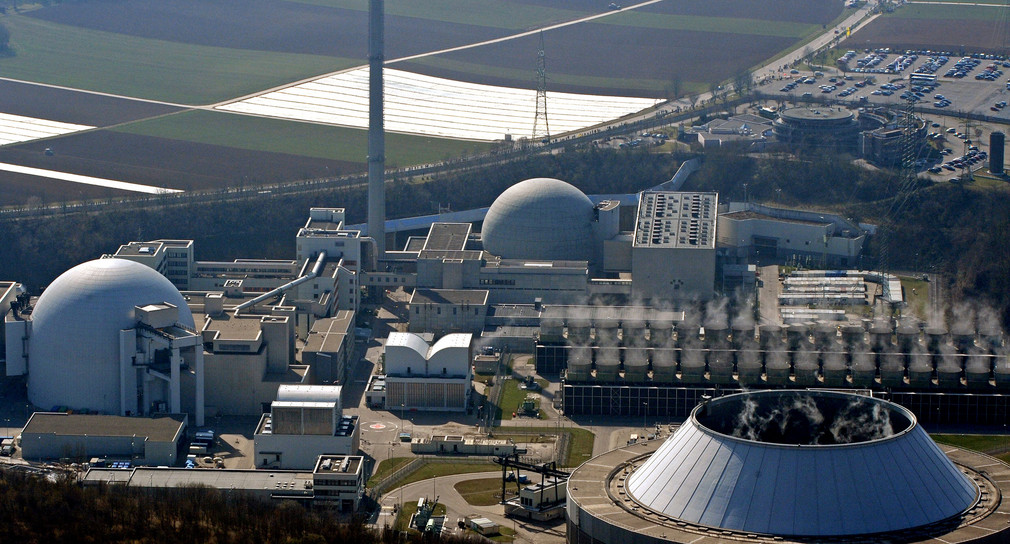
pixel 540 219
pixel 802 463
pixel 74 344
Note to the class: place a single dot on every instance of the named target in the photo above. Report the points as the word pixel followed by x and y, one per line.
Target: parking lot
pixel 976 85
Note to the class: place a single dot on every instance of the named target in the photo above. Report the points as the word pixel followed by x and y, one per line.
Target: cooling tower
pixel 771 337
pixel 720 366
pixel 552 329
pixel 633 332
pixel 606 333
pixel 920 369
pixel 608 364
pixel 748 365
pixel 864 369
pixel 636 364
pixel 978 369
pixel 580 363
pixel 892 369
pixel 660 333
pixel 692 365
pixel 948 370
pixel 664 365
pixel 578 331
pixel 835 371
pixel 777 368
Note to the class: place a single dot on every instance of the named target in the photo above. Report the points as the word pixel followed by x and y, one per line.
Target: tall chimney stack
pixel 376 132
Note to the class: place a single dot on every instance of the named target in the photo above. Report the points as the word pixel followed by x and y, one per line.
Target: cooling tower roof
pixel 540 219
pixel 802 463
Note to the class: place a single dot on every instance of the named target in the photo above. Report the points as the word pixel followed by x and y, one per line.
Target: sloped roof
pixel 704 475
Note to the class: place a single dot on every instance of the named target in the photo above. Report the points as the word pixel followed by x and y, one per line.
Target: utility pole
pixel 541 130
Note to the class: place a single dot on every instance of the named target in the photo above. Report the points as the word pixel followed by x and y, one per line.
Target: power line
pixel 541 129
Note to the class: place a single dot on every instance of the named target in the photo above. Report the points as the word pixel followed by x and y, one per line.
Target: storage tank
pixel 692 365
pixel 748 365
pixel 853 334
pixel 920 368
pixel 978 369
pixel 892 369
pixel 688 334
pixel 580 363
pixel 716 335
pixel 608 364
pixel 552 330
pixel 660 333
pixel 825 334
pixel 743 333
pixel 835 370
pixel 797 335
pixel 962 335
pixel 664 365
pixel 936 336
pixel 636 364
pixel 805 367
pixel 777 368
pixel 996 152
pixel 1002 370
pixel 864 369
pixel 578 331
pixel 633 331
pixel 606 333
pixel 948 370
pixel 770 336
pixel 880 334
pixel 908 333
pixel 720 366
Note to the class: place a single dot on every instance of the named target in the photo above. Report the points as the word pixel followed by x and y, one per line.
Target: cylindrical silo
pixel 920 368
pixel 853 335
pixel 664 365
pixel 936 336
pixel 608 364
pixel 805 367
pixel 552 329
pixel 996 141
pixel 797 335
pixel 606 332
pixel 748 365
pixel 578 331
pixel 777 368
pixel 962 335
pixel 880 334
pixel 864 369
pixel 688 334
pixel 580 363
pixel 716 335
pixel 660 333
pixel 948 370
pixel 978 370
pixel 1002 370
pixel 692 365
pixel 892 369
pixel 825 334
pixel 636 364
pixel 720 366
pixel 771 337
pixel 907 333
pixel 835 370
pixel 633 331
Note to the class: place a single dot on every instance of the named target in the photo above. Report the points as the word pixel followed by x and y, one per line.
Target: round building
pixel 74 346
pixel 540 219
pixel 802 466
pixel 822 124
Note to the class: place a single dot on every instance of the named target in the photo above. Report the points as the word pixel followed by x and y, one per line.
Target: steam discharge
pixel 803 419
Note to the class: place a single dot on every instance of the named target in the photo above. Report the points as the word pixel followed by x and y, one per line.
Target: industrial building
pixel 339 480
pixel 461 445
pixel 444 311
pixel 817 123
pixel 305 421
pixel 436 377
pixel 141 441
pixel 751 467
pixel 263 485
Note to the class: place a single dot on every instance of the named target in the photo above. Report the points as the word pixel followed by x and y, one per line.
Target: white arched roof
pixel 888 484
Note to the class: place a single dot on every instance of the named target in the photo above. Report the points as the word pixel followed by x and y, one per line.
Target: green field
pixel 387 467
pixel 490 13
pixel 144 68
pixel 997 445
pixel 306 139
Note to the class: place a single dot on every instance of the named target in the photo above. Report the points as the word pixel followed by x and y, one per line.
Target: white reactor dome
pixel 74 345
pixel 540 219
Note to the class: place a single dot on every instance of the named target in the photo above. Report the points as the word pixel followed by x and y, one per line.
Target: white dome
pixel 802 463
pixel 540 219
pixel 74 345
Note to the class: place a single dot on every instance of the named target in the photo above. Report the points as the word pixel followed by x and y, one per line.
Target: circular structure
pixel 797 465
pixel 540 219
pixel 74 343
pixel 795 125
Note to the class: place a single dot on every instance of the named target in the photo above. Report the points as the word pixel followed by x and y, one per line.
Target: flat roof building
pixel 141 440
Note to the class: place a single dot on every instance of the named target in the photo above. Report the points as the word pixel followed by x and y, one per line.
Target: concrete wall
pixel 672 273
pixel 36 446
pixel 300 452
